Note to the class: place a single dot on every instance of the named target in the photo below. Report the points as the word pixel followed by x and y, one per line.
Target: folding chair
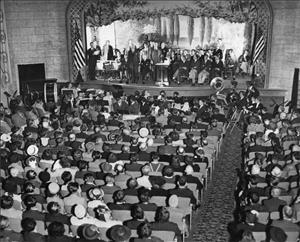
pixel 131 199
pixel 159 200
pixel 263 217
pixel 292 236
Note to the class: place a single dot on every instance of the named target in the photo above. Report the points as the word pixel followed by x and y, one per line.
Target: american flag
pixel 79 58
pixel 259 45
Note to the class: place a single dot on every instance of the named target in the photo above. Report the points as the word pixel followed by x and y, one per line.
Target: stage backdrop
pixel 180 31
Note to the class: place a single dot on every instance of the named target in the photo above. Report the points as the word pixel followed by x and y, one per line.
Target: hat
pixel 277 234
pixel 199 151
pixel 95 193
pixel 90 232
pixel 79 211
pixel 53 188
pixel 173 201
pixel 90 146
pixel 189 170
pixel 296 148
pixel 5 137
pixel 180 150
pixel 276 171
pixel 44 176
pixel 282 115
pixel 143 132
pixel 255 170
pixel 120 233
pixel 32 150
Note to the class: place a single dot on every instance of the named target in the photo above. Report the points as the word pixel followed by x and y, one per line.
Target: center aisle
pixel 211 221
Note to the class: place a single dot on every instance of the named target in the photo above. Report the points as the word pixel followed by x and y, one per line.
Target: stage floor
pixel 267 95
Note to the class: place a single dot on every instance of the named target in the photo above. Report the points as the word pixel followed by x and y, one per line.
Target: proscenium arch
pixel 75 14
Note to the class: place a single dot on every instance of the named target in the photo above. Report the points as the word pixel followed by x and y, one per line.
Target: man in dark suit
pixel 182 190
pixel 286 224
pixel 28 226
pixel 274 203
pixel 137 214
pixel 93 54
pixel 167 149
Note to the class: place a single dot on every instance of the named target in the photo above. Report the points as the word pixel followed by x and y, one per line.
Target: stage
pixel 183 90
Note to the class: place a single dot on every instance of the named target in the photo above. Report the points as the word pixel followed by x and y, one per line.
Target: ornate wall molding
pixel 5 68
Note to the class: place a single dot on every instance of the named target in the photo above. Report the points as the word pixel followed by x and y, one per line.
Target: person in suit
pixel 168 148
pixel 274 203
pixel 108 52
pixel 131 189
pixel 93 54
pixel 249 224
pixel 137 214
pixel 28 234
pixel 286 223
pixel 54 214
pixel 182 191
pixel 205 70
pixel 162 222
pixel 144 197
pixel 6 233
pixel 119 202
pixel 144 232
pixel 56 232
pixel 110 187
pixel 133 61
pixel 31 210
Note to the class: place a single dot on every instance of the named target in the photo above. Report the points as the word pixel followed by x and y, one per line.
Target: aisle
pixel 211 221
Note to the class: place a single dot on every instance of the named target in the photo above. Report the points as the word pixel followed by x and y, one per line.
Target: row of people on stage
pixel 197 65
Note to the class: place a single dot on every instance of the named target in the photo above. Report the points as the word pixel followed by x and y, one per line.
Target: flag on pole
pixel 79 56
pixel 259 45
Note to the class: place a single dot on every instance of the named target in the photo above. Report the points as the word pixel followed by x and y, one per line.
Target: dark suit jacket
pixel 133 223
pixel 148 206
pixel 36 215
pixel 273 204
pixel 64 219
pixel 133 167
pixel 32 237
pixel 166 226
pixel 183 192
pixel 114 206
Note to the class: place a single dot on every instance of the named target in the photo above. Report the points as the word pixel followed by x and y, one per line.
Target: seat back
pixel 149 215
pixel 131 199
pixel 121 215
pixel 263 217
pixel 40 227
pixel 108 198
pixel 15 224
pixel 158 200
pixel 292 236
pixel 259 236
pixel 164 235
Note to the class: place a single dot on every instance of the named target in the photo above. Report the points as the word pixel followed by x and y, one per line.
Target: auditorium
pixel 149 121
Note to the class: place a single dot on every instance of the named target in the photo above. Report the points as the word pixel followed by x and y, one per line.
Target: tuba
pixel 217 84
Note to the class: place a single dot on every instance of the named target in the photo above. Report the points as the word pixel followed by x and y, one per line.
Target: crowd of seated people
pixel 195 66
pixel 267 192
pixel 78 172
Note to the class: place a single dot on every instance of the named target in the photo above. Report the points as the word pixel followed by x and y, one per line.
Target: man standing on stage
pixel 93 54
pixel 108 51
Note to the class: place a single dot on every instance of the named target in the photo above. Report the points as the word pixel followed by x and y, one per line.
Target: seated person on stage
pixel 244 63
pixel 205 70
pixel 145 69
pixel 182 71
pixel 217 67
pixel 194 68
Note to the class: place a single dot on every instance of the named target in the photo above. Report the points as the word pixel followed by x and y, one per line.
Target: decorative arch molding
pixel 260 12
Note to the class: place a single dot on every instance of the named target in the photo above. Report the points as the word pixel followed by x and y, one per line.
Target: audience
pixel 74 167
